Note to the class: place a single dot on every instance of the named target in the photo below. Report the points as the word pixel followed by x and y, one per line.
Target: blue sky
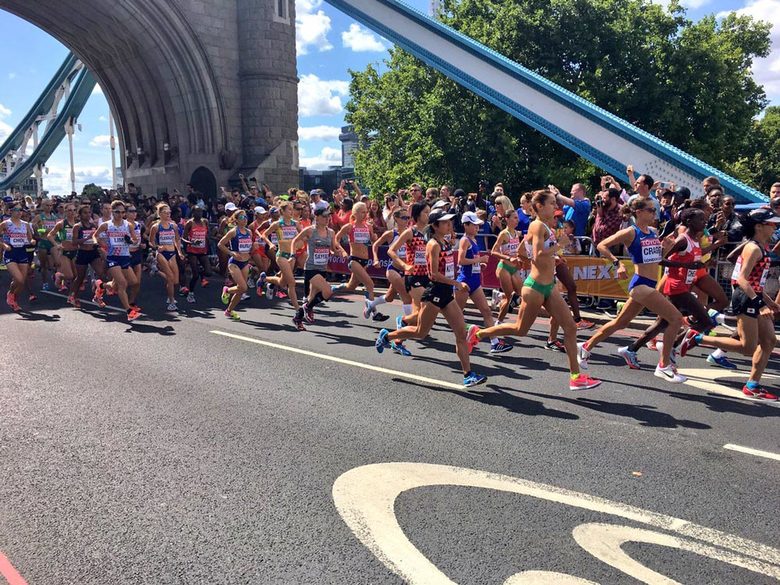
pixel 329 44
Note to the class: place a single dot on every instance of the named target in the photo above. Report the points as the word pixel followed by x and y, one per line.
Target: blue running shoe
pixel 473 379
pixel 721 362
pixel 399 348
pixel 381 341
pixel 399 322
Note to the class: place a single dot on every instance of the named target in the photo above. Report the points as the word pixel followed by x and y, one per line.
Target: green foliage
pixel 759 165
pixel 92 191
pixel 688 83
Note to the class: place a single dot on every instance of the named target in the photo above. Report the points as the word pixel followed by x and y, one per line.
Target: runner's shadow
pixel 717 403
pixel 31 316
pixel 193 313
pixel 269 326
pixel 647 416
pixel 137 327
pixel 337 339
pixel 497 396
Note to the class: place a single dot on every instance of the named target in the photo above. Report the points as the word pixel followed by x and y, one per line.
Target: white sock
pixel 718 353
pixel 494 340
pixel 407 309
pixel 376 302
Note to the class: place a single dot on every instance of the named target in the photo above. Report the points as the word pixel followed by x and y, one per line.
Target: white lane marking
pixel 338 360
pixel 365 498
pixel 83 302
pixel 749 451
pixel 707 379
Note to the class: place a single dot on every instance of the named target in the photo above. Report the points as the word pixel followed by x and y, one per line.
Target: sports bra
pixel 645 248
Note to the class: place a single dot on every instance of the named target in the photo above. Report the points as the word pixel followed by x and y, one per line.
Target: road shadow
pixel 493 395
pixel 647 416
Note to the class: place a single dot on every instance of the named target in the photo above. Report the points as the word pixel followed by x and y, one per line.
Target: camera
pixel 599 201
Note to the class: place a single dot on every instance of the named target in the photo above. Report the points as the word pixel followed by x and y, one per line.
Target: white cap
pixel 230 206
pixel 470 217
pixel 440 204
pixel 260 210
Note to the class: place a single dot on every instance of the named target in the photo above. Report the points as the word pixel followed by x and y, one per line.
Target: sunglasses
pixel 404 218
pixel 16 209
pixel 132 210
pixel 118 211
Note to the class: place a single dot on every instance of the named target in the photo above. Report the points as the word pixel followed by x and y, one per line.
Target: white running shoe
pixel 669 374
pixel 583 355
pixel 172 306
pixel 191 298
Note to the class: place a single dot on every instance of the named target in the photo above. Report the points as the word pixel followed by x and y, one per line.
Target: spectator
pixel 388 210
pixel 375 217
pixel 726 220
pixel 525 212
pixel 608 216
pixel 317 200
pixel 574 247
pixel 709 183
pixel 431 195
pixel 502 206
pixel 774 191
pixel 642 187
pixel 342 216
pixel 416 192
pixel 575 208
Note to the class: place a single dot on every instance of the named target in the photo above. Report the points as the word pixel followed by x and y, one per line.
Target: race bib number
pixel 18 241
pixel 737 269
pixel 764 276
pixel 244 245
pixel 289 232
pixel 69 235
pixel 321 256
pixel 401 252
pixel 449 269
pixel 419 257
pixel 690 276
pixel 49 225
pixel 361 235
pixel 651 251
pixel 117 241
pixel 476 268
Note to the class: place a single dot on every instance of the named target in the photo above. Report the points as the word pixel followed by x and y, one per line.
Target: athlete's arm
pixel 302 238
pixel 343 231
pixel 378 242
pixel 57 227
pixel 392 251
pixel 222 245
pixel 624 237
pixel 153 234
pixel 496 249
pixel 185 237
pixel 335 245
pixel 679 245
pixel 101 228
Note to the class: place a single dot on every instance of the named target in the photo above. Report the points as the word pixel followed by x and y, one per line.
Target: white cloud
pixel 12 75
pixel 328 157
pixel 57 181
pixel 5 128
pixel 766 71
pixel 98 90
pixel 361 40
pixel 102 140
pixel 319 133
pixel 311 27
pixel 319 97
pixel 102 119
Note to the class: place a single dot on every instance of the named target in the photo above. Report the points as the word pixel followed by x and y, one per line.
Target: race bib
pixel 401 252
pixel 289 232
pixel 69 235
pixel 18 241
pixel 244 245
pixel 361 235
pixel 274 239
pixel 321 256
pixel 117 241
pixel 476 268
pixel 651 251
pixel 49 225
pixel 764 276
pixel 690 275
pixel 419 257
pixel 737 269
pixel 449 268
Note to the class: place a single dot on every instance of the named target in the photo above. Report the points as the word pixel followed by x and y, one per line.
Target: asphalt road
pixel 186 448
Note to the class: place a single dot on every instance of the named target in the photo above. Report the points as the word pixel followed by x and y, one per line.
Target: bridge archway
pixel 204 181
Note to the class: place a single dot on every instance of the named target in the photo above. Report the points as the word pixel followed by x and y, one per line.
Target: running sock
pixel 752 385
pixel 718 353
pixel 634 347
pixel 376 302
pixel 316 300
pixel 574 376
pixel 407 309
pixel 299 313
pixel 494 341
pixel 698 338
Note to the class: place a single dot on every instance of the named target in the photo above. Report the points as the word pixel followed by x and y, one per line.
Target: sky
pixel 329 44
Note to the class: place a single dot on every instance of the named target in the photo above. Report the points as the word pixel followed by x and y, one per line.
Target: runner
pixel 438 298
pixel 321 243
pixel 506 249
pixel 164 237
pixel 361 235
pixel 752 306
pixel 43 223
pixel 285 229
pixel 87 255
pixel 259 258
pixel 394 271
pixel 646 252
pixel 539 291
pixel 471 259
pixel 61 239
pixel 196 238
pixel 17 235
pixel 413 240
pixel 683 261
pixel 136 256
pixel 236 245
pixel 119 235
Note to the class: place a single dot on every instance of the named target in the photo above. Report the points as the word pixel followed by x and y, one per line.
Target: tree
pixel 92 191
pixel 760 163
pixel 688 83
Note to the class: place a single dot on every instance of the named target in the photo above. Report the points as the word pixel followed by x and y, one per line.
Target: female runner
pixel 321 243
pixel 539 290
pixel 285 229
pixel 61 238
pixel 164 236
pixel 136 256
pixel 17 235
pixel 505 249
pixel 438 298
pixel 119 235
pixel 87 255
pixel 471 259
pixel 413 240
pixel 361 236
pixel 752 306
pixel 196 238
pixel 395 269
pixel 646 252
pixel 236 245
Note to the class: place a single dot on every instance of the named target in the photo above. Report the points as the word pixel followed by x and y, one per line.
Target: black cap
pixel 683 193
pixel 763 215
